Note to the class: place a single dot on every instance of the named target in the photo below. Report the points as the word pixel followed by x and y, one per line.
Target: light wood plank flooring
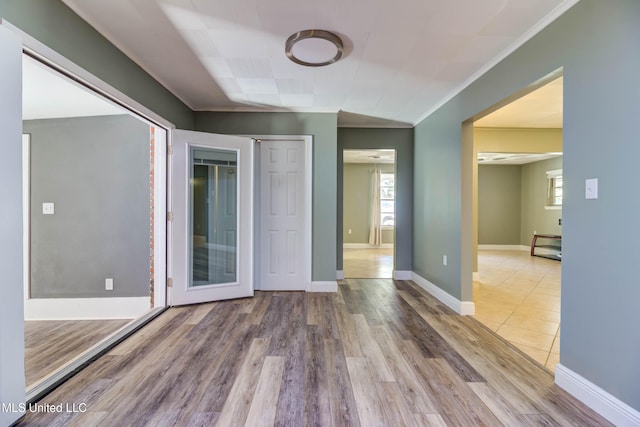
pixel 377 353
pixel 367 263
pixel 518 297
pixel 50 344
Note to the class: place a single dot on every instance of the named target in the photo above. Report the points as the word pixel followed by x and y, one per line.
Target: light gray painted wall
pixel 534 199
pixel 499 200
pixel 357 202
pixel 96 171
pixel 54 24
pixel 596 43
pixel 383 138
pixel 323 128
pixel 12 381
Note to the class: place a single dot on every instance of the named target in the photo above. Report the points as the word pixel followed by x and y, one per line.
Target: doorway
pixel 369 217
pixel 518 153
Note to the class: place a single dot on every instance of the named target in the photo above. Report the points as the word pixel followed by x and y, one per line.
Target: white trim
pixel 553 207
pixel 85 308
pixel 26 214
pixel 328 286
pixel 504 248
pixel 476 276
pixel 402 274
pixel 366 246
pixel 160 217
pixel 464 308
pixel 340 275
pixel 552 16
pixel 605 404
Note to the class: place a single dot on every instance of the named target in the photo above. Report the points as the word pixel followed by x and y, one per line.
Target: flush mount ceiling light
pixel 314 48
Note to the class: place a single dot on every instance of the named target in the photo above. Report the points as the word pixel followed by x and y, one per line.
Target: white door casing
pixel 240 263
pixel 284 215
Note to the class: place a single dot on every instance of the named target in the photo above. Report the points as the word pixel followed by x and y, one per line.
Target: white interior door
pixel 212 226
pixel 12 379
pixel 283 204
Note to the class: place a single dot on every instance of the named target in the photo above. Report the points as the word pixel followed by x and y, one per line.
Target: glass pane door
pixel 214 219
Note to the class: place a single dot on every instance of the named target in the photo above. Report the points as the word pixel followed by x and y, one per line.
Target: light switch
pixel 591 188
pixel 48 208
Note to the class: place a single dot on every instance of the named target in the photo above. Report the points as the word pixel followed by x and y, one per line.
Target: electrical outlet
pixel 349 231
pixel 108 284
pixel 444 260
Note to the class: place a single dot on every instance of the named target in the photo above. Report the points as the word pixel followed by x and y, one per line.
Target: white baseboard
pixel 476 276
pixel 329 286
pixel 465 308
pixel 610 407
pixel 402 274
pixel 504 248
pixel 340 275
pixel 366 246
pixel 85 308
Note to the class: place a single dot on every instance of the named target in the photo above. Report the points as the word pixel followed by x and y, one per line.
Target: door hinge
pixel 169 149
pixel 169 282
pixel 169 216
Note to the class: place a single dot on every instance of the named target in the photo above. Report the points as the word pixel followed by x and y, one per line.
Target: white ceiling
pixel 46 95
pixel 403 58
pixel 541 108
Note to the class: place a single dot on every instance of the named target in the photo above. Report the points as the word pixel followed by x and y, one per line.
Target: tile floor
pixel 369 263
pixel 518 297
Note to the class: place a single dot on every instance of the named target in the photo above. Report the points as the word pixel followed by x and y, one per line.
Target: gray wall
pixel 596 43
pixel 499 201
pixel 381 138
pixel 96 171
pixel 534 199
pixel 54 24
pixel 357 202
pixel 323 128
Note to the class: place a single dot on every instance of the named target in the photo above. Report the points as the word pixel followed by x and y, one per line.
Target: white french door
pixel 212 226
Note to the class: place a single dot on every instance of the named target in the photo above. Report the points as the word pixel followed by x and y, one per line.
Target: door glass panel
pixel 214 217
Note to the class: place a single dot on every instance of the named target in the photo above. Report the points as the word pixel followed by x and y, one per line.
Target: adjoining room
pixel 517 288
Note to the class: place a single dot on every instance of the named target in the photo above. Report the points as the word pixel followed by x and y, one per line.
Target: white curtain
pixel 375 232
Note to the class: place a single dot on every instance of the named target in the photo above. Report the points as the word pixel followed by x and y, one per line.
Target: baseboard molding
pixel 402 274
pixel 610 407
pixel 476 276
pixel 340 275
pixel 366 246
pixel 85 308
pixel 464 308
pixel 504 248
pixel 329 286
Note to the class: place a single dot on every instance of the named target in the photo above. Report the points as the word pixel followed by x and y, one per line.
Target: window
pixel 387 199
pixel 555 187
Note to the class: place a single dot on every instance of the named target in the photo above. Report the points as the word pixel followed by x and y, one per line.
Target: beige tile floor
pixel 518 297
pixel 370 263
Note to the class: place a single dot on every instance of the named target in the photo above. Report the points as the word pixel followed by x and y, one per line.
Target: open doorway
pixel 93 255
pixel 519 195
pixel 369 217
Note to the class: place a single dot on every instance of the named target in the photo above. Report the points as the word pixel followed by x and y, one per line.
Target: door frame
pixel 308 204
pixel 162 128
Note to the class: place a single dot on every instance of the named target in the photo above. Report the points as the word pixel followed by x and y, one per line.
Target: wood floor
pixel 377 353
pixel 50 344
